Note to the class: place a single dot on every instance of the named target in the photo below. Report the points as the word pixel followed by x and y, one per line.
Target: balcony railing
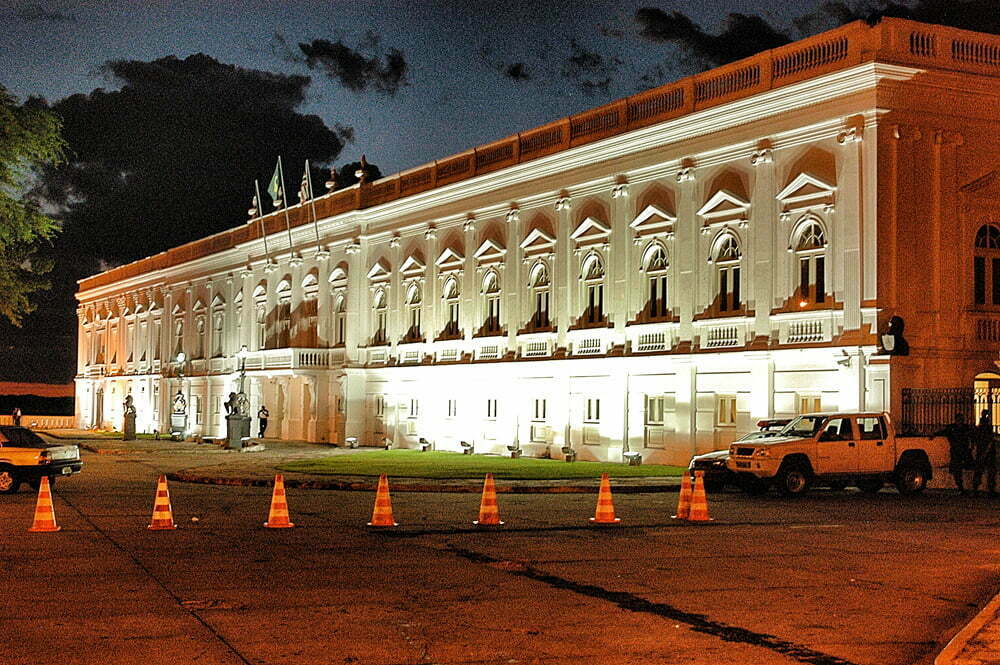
pixel 293 358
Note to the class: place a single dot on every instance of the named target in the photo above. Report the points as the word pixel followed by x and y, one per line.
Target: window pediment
pixel 490 252
pixel 724 206
pixel 537 241
pixel 653 220
pixel 450 260
pixel 412 266
pixel 379 271
pixel 806 191
pixel 590 231
pixel 178 309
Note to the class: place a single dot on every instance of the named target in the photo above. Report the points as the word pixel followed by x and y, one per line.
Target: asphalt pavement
pixel 833 578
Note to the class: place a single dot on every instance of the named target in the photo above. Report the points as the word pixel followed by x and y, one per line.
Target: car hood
pixel 771 440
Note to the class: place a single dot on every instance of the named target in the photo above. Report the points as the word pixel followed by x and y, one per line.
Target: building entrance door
pixel 98 409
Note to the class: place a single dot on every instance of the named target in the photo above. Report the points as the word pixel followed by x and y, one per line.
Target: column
pixel 470 289
pixel 432 294
pixel 514 284
pixel 761 249
pixel 562 271
pixel 324 301
pixel 397 316
pixel 358 301
pixel 847 220
pixel 621 249
pixel 688 259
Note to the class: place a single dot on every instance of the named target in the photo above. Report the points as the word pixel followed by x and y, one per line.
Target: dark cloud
pixel 743 35
pixel 39 13
pixel 978 15
pixel 590 71
pixel 517 71
pixel 358 69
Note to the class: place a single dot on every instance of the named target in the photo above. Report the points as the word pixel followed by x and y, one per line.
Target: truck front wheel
pixel 793 480
pixel 9 482
pixel 911 478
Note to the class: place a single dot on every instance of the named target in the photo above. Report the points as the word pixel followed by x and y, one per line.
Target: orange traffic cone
pixel 382 515
pixel 605 513
pixel 489 512
pixel 684 501
pixel 45 516
pixel 163 516
pixel 277 518
pixel 699 503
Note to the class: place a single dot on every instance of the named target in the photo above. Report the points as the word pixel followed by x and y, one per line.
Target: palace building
pixel 654 275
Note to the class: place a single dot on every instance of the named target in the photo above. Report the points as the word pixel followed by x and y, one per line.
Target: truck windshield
pixel 803 426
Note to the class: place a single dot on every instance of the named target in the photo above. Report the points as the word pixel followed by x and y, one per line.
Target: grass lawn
pixel 439 464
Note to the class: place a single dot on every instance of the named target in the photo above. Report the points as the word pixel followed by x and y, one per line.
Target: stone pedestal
pixel 237 428
pixel 128 429
pixel 178 424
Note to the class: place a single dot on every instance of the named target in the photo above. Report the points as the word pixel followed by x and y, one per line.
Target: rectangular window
pixel 593 411
pixel 871 428
pixel 216 405
pixel 414 408
pixel 197 409
pixel 736 287
pixel 996 281
pixel 655 407
pixel 540 412
pixel 452 408
pixel 979 265
pixel 810 404
pixel 725 411
pixel 723 290
pixel 341 328
pixel 379 405
pixel 820 279
pixel 804 277
pixel 491 409
pixel 493 313
pixel 658 296
pixel 595 303
pixel 541 309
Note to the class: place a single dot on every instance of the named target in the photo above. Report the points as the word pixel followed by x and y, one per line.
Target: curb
pixel 958 643
pixel 473 487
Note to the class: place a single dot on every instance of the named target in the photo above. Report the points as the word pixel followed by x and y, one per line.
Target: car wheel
pixel 911 478
pixel 793 480
pixel 870 485
pixel 9 482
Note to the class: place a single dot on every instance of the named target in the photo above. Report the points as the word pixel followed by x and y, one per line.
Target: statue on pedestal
pixel 128 427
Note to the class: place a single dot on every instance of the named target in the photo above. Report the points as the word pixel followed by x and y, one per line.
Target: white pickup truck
pixel 837 450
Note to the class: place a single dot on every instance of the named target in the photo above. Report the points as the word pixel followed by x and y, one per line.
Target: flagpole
pixel 312 204
pixel 260 216
pixel 284 194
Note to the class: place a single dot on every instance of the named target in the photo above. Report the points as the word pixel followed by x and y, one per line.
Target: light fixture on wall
pixel 846 360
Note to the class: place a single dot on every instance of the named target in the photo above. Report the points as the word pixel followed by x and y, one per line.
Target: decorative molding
pixel 513 215
pixel 850 135
pixel 761 156
pixel 620 191
pixel 686 174
pixel 354 247
pixel 563 203
pixel 470 224
pixel 907 133
pixel 394 241
pixel 946 137
pixel 431 232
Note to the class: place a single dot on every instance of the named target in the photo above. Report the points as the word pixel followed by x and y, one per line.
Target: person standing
pixel 958 434
pixel 16 416
pixel 986 454
pixel 262 416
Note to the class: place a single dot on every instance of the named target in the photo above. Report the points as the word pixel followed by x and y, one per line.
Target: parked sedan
pixel 717 476
pixel 26 457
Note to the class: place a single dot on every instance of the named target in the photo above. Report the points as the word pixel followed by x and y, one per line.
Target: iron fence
pixel 928 410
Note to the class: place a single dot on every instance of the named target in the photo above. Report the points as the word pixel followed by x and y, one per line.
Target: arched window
pixel 593 289
pixel 986 266
pixel 655 264
pixel 218 326
pixel 810 252
pixel 540 287
pixel 283 314
pixel 491 291
pixel 380 305
pixel 307 326
pixel 200 328
pixel 413 300
pixel 727 260
pixel 451 294
pixel 340 319
pixel 178 336
pixel 260 314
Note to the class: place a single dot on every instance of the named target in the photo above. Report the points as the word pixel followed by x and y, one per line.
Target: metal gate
pixel 928 410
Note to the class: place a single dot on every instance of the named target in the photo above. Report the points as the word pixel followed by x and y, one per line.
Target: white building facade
pixel 613 282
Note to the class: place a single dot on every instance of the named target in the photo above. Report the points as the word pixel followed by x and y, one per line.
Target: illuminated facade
pixel 654 275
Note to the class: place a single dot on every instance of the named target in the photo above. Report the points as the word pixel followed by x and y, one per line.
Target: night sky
pixel 402 82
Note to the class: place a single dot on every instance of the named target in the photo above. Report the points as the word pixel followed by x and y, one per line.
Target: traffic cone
pixel 45 516
pixel 684 502
pixel 277 518
pixel 489 512
pixel 382 515
pixel 699 503
pixel 605 513
pixel 163 516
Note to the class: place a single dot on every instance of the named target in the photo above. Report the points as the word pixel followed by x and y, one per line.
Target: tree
pixel 29 139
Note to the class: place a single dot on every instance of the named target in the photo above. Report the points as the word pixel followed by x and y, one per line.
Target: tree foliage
pixel 29 138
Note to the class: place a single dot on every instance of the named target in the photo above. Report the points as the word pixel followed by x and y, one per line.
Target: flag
pixel 305 189
pixel 274 189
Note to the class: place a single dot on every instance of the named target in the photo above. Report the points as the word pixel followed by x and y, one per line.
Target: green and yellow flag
pixel 274 189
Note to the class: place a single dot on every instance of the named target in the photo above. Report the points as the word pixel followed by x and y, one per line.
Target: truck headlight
pixel 762 452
